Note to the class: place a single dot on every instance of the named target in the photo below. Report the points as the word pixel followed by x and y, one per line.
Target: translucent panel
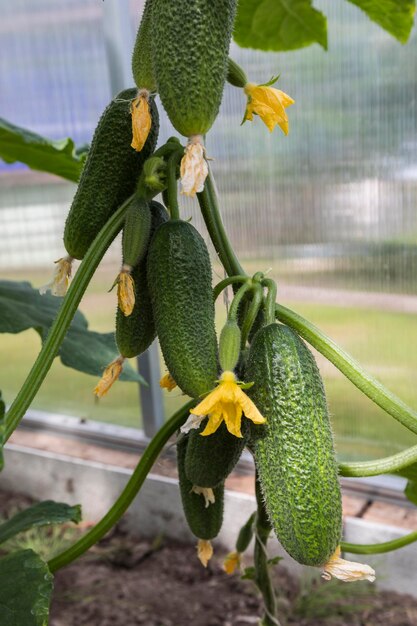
pixel 330 208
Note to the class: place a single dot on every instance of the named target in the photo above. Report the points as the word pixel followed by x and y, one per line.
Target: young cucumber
pixel 109 175
pixel 190 43
pixel 204 521
pixel 209 460
pixel 179 280
pixel 142 66
pixel 135 333
pixel 295 459
pixel 136 231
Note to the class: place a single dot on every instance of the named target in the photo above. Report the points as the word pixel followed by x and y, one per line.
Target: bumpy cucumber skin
pixel 179 280
pixel 109 175
pixel 190 43
pixel 295 460
pixel 204 523
pixel 142 66
pixel 209 460
pixel 135 333
pixel 136 231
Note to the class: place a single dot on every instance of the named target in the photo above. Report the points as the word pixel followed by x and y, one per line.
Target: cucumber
pixel 109 175
pixel 295 459
pixel 136 231
pixel 179 280
pixel 190 44
pixel 209 460
pixel 204 522
pixel 135 333
pixel 142 66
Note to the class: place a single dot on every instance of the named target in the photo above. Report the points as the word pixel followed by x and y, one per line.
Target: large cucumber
pixel 295 459
pixel 190 42
pixel 179 279
pixel 204 521
pixel 135 333
pixel 109 175
pixel 209 460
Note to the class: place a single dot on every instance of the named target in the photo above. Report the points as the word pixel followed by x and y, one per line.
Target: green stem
pixel 128 494
pixel 371 387
pixel 251 314
pixel 379 548
pixel 385 465
pixel 172 187
pixel 63 320
pixel 242 291
pixel 270 300
pixel 230 280
pixel 262 573
pixel 211 214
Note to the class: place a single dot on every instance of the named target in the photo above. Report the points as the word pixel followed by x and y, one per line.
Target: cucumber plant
pixel 255 385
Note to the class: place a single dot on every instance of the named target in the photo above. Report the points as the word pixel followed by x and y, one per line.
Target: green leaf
pixel 279 25
pixel 248 573
pixel 56 157
pixel 395 16
pixel 40 514
pixel 275 560
pixel 25 589
pixel 2 427
pixel 23 307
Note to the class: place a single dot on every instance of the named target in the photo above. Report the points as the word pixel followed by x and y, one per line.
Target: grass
pixel 382 341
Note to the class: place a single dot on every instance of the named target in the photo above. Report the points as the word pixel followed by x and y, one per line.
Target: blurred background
pixel 330 209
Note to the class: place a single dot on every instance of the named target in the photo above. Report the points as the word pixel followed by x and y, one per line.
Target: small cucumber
pixel 109 175
pixel 190 44
pixel 295 459
pixel 204 522
pixel 136 232
pixel 209 460
pixel 142 66
pixel 135 333
pixel 179 280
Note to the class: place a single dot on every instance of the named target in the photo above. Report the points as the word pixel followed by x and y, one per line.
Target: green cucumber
pixel 135 333
pixel 190 44
pixel 136 231
pixel 295 459
pixel 142 65
pixel 204 522
pixel 179 280
pixel 109 175
pixel 209 460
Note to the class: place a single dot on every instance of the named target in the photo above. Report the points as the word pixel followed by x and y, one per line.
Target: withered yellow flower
pixel 204 551
pixel 232 562
pixel 348 571
pixel 61 278
pixel 227 402
pixel 269 103
pixel 125 291
pixel 206 492
pixel 194 169
pixel 110 375
pixel 167 382
pixel 141 119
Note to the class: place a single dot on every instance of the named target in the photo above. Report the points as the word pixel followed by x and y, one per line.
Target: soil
pixel 128 582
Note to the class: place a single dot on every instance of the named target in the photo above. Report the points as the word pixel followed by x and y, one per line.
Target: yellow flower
pixel 231 562
pixel 227 402
pixel 141 119
pixel 269 103
pixel 204 551
pixel 126 291
pixel 348 571
pixel 206 492
pixel 110 375
pixel 167 382
pixel 61 278
pixel 194 169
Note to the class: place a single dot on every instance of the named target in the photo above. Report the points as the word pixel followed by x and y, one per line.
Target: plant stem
pixel 270 300
pixel 172 187
pixel 128 494
pixel 234 307
pixel 63 320
pixel 385 465
pixel 262 573
pixel 251 313
pixel 230 280
pixel 379 548
pixel 371 387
